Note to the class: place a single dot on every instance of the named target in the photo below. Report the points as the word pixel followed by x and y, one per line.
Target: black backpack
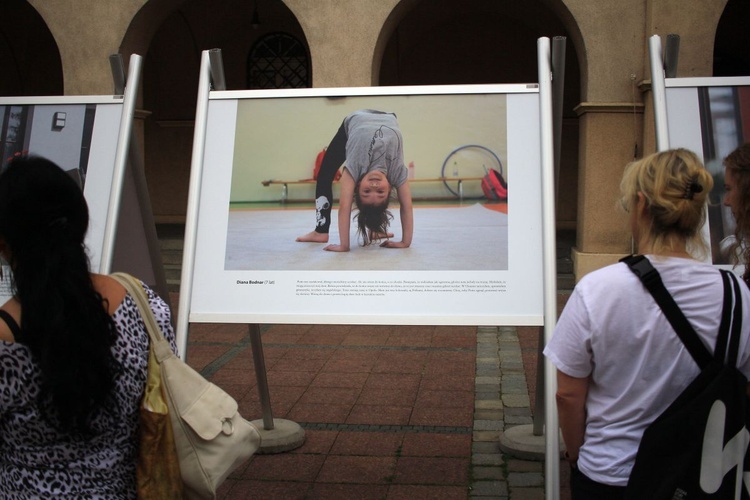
pixel 697 448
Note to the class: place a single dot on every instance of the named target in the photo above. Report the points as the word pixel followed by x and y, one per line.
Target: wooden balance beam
pixel 285 184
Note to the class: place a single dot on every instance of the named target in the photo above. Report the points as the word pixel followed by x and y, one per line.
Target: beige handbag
pixel 211 437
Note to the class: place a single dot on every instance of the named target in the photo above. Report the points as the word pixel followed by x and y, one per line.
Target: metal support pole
pixel 552 453
pixel 671 55
pixel 260 375
pixel 276 434
pixel 118 73
pixel 659 92
pixel 121 158
pixel 218 80
pixel 191 218
pixel 558 87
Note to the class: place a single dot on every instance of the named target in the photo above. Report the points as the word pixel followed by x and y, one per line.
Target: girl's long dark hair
pixel 64 321
pixel 371 218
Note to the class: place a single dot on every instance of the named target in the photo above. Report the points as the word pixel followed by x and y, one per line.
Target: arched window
pixel 278 61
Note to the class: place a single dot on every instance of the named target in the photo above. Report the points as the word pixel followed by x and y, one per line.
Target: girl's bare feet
pixel 313 237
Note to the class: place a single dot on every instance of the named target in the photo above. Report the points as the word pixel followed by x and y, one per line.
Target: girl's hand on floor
pixel 394 244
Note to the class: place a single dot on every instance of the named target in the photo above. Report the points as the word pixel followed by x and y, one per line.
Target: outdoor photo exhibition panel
pixel 79 133
pixel 470 263
pixel 711 116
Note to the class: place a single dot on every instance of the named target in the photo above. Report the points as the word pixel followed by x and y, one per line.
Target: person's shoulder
pixel 110 290
pixel 607 275
pixel 13 309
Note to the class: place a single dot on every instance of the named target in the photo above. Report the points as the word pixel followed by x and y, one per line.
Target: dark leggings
pixel 583 488
pixel 332 161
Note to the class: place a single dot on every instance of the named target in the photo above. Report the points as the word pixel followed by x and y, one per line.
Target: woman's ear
pixel 641 204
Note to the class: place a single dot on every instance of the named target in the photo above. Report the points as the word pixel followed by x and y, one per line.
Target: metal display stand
pixel 121 159
pixel 529 441
pixel 282 435
pixel 129 176
pixel 277 435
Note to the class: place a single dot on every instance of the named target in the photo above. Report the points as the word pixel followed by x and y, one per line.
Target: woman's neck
pixel 674 248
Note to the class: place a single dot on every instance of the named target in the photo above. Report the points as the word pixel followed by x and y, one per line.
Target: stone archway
pixel 474 42
pixel 171 34
pixel 732 43
pixel 29 56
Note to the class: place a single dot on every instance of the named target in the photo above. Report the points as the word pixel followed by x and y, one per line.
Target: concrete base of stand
pixel 520 442
pixel 285 436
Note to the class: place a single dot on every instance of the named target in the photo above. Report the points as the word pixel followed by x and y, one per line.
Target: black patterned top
pixel 38 461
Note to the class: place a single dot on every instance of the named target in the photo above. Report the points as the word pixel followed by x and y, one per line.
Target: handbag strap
pixel 651 279
pixel 734 339
pixel 135 289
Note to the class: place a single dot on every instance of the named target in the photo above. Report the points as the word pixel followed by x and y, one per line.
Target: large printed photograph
pixel 378 206
pixel 61 133
pixel 409 175
pixel 78 133
pixel 725 125
pixel 711 116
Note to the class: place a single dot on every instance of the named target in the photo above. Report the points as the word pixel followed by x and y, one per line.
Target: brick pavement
pixel 388 411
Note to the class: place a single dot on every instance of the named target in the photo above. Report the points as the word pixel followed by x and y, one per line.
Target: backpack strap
pixel 651 279
pixel 734 339
pixel 12 324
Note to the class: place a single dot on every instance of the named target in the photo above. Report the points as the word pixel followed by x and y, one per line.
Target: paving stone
pixel 489 415
pixel 516 465
pixel 487 388
pixel 489 405
pixel 520 411
pixel 525 479
pixel 488 425
pixel 485 436
pixel 527 494
pixel 515 386
pixel 495 459
pixel 494 395
pixel 518 420
pixel 488 371
pixel 489 488
pixel 487 472
pixel 487 380
pixel 512 366
pixel 516 400
pixel 488 447
pixel 492 360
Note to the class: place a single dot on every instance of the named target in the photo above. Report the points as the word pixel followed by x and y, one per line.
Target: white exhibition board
pixel 711 116
pixel 72 131
pixel 243 272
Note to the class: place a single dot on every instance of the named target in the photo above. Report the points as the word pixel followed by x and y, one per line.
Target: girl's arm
pixel 345 212
pixel 571 407
pixel 407 218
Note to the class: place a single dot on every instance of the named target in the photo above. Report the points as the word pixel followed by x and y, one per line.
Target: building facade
pixel 63 47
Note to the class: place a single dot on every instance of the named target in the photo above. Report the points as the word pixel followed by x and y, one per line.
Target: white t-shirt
pixel 613 330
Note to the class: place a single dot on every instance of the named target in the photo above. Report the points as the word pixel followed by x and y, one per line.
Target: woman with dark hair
pixel 619 362
pixel 370 144
pixel 73 349
pixel 737 198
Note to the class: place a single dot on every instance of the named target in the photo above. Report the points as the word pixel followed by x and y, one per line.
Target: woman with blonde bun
pixel 619 362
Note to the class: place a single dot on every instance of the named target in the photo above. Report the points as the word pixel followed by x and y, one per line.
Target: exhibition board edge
pixel 407 90
pixel 712 81
pixel 359 319
pixel 61 99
